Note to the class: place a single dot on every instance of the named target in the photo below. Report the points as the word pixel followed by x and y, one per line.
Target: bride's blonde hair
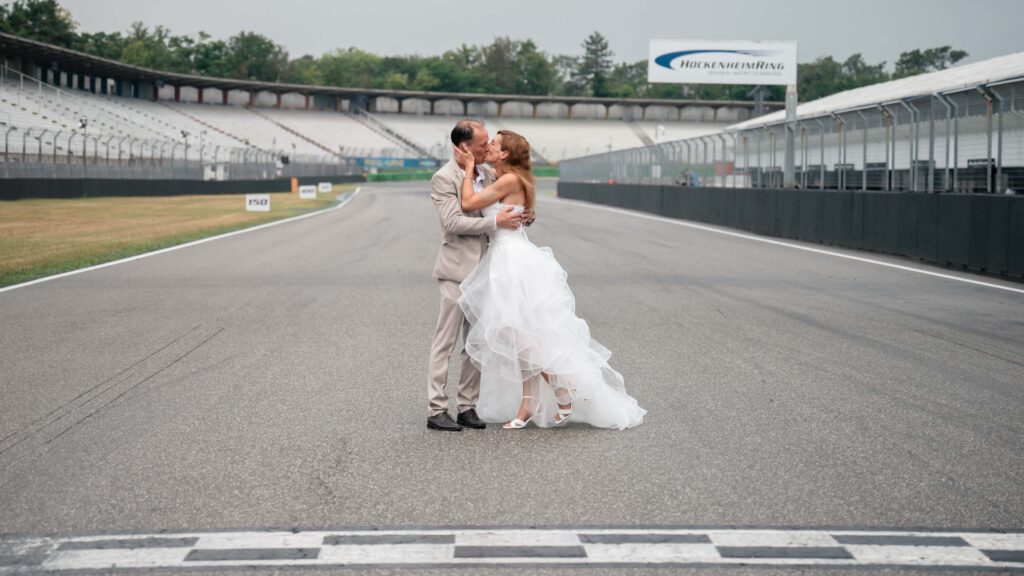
pixel 518 162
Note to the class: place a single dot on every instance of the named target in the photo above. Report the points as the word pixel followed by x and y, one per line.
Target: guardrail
pixel 977 232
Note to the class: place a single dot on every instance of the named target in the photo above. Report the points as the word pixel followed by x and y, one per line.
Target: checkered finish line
pixel 520 547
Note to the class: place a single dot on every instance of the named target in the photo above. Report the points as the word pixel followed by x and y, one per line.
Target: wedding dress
pixel 523 325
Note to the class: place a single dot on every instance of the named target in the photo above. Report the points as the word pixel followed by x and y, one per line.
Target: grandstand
pixel 552 139
pixel 336 133
pixel 33 104
pixel 36 109
pixel 65 113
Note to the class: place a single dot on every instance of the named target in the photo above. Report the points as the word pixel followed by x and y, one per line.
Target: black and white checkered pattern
pixel 456 547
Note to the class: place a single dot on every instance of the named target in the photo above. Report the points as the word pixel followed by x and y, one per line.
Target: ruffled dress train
pixel 523 327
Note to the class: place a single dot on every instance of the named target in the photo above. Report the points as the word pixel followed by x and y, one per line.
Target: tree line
pixel 505 66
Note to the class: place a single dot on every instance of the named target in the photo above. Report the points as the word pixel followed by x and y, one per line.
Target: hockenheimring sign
pixel 717 62
pixel 696 62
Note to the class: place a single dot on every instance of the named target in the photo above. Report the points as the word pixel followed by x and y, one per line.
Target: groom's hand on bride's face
pixel 507 218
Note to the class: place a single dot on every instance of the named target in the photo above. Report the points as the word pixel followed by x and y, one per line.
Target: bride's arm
pixel 494 193
pixel 472 201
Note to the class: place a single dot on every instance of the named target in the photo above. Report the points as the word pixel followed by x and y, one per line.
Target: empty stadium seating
pixel 36 107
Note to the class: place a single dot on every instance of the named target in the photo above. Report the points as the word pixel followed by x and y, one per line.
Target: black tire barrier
pixel 977 232
pixel 18 188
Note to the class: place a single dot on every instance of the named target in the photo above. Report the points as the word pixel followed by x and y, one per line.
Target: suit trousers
pixel 450 321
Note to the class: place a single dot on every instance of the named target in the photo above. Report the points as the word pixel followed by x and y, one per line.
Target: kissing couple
pixel 526 356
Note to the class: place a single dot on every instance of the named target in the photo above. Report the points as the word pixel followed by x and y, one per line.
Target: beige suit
pixel 463 242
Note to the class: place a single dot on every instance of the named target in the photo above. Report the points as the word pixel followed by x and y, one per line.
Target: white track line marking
pixel 781 243
pixel 626 547
pixel 181 246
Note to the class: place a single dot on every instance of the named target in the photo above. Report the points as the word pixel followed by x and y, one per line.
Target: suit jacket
pixel 463 234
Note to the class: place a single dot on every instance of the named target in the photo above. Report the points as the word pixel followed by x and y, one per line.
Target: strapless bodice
pixel 504 233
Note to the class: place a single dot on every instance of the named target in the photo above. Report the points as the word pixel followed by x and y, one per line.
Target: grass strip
pixel 43 237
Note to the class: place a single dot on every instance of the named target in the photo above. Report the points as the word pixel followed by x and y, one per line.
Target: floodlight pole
pixel 7 134
pixel 39 156
pixel 55 137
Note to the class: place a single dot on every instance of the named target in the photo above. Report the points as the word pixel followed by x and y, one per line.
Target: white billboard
pixel 716 62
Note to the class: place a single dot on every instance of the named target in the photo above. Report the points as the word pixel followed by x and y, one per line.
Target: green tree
pixel 349 68
pixel 157 49
pixel 534 71
pixel 394 81
pixel 629 80
pixel 918 62
pixel 565 67
pixel 210 57
pixel 101 44
pixel 304 70
pixel 425 80
pixel 862 74
pixel 820 78
pixel 252 56
pixel 468 62
pixel 43 20
pixel 505 65
pixel 495 67
pixel 595 66
pixel 451 75
pixel 826 76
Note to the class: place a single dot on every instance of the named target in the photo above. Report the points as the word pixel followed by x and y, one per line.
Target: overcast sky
pixel 878 29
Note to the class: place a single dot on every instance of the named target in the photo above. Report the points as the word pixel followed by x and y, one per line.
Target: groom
pixel 463 242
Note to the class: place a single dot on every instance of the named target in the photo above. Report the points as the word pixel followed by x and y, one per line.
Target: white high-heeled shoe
pixel 563 414
pixel 517 422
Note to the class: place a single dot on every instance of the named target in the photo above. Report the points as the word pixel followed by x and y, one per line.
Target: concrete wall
pixel 978 232
pixel 482 109
pixel 449 108
pixel 14 189
pixel 552 110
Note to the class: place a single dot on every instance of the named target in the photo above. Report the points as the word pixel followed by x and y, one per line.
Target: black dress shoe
pixel 469 419
pixel 442 421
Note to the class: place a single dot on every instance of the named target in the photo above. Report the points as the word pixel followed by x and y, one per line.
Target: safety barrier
pixel 978 232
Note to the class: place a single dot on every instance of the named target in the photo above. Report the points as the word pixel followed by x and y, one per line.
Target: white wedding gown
pixel 523 323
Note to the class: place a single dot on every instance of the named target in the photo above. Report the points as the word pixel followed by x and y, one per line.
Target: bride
pixel 536 358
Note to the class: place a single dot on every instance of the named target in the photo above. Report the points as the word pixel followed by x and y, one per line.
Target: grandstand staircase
pixel 174 128
pixel 217 129
pixel 649 142
pixel 641 134
pixel 539 159
pixel 100 117
pixel 535 157
pixel 291 130
pixel 382 129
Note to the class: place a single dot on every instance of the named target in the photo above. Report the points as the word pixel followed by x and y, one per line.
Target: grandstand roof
pixel 79 62
pixel 956 79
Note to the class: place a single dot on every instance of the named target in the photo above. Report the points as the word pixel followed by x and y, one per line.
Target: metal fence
pixel 967 141
pixel 40 154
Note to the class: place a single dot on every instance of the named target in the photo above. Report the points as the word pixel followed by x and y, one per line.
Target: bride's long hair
pixel 518 162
